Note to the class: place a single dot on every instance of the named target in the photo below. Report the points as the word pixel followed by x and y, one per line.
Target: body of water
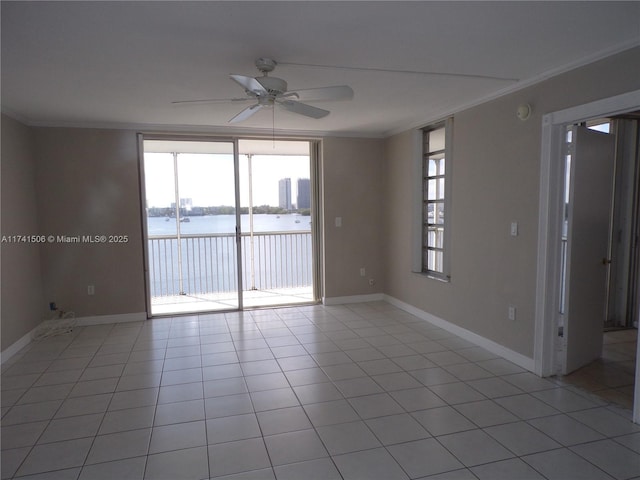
pixel 215 224
pixel 282 254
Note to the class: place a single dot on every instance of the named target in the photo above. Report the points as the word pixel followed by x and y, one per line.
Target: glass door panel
pixel 275 200
pixel 191 226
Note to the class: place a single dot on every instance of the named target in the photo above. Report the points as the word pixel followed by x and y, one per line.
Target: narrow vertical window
pixel 436 194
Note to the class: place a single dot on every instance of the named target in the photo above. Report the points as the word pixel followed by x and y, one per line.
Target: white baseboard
pixel 14 348
pixel 373 297
pixel 506 353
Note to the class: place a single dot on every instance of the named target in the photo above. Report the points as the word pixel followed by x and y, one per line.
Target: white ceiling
pixel 122 63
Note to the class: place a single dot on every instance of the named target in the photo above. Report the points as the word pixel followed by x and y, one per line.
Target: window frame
pixel 444 222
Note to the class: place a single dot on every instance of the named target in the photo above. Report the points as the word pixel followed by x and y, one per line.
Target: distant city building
pixel 304 193
pixel 284 193
pixel 186 203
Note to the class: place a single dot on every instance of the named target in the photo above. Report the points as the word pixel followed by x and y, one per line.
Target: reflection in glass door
pixel 191 226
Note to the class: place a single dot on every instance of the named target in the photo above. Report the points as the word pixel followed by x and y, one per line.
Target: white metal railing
pixel 207 263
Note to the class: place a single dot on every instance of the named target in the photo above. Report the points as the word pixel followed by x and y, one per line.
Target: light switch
pixel 514 229
pixel 338 221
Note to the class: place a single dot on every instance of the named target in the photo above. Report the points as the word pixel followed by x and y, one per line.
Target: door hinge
pixel 569 148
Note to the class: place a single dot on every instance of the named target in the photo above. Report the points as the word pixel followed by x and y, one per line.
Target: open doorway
pixel 599 302
pixel 228 223
pixel 550 339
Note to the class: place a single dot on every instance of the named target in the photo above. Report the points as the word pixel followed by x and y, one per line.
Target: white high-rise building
pixel 284 193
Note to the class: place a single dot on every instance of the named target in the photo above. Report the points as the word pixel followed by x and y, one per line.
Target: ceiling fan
pixel 269 91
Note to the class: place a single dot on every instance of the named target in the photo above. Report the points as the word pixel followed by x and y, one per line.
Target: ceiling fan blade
pixel 338 92
pixel 246 113
pixel 303 109
pixel 206 101
pixel 409 72
pixel 248 83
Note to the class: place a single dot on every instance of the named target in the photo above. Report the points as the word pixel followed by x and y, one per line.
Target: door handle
pixel 606 261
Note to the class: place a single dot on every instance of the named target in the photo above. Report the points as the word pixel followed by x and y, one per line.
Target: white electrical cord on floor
pixel 62 323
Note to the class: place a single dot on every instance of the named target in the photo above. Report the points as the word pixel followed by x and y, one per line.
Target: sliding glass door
pixel 229 224
pixel 191 224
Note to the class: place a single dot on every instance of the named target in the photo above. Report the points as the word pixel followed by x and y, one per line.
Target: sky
pixel 208 179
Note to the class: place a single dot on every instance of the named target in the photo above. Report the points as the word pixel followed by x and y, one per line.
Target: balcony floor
pixel 172 305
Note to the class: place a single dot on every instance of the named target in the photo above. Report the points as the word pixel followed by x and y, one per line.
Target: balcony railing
pixel 207 263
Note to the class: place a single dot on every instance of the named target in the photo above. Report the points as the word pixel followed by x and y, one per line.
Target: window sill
pixel 439 278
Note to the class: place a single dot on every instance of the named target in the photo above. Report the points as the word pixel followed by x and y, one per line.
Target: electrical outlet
pixel 372 282
pixel 511 313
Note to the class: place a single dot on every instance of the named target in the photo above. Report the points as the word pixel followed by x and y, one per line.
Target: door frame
pixel 552 170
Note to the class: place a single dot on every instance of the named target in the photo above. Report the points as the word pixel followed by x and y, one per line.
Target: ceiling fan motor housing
pixel 273 85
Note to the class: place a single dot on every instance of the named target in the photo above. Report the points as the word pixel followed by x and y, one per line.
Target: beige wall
pixel 496 175
pixel 22 296
pixel 353 181
pixel 88 184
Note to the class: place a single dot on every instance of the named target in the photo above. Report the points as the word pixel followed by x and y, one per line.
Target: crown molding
pixel 584 61
pixel 195 129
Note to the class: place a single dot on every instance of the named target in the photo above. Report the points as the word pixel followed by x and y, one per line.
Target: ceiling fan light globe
pixel 266 101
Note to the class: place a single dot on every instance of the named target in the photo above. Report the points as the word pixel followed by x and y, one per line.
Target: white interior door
pixel 588 244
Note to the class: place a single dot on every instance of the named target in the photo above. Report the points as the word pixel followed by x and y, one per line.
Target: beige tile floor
pixel 611 377
pixel 361 391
